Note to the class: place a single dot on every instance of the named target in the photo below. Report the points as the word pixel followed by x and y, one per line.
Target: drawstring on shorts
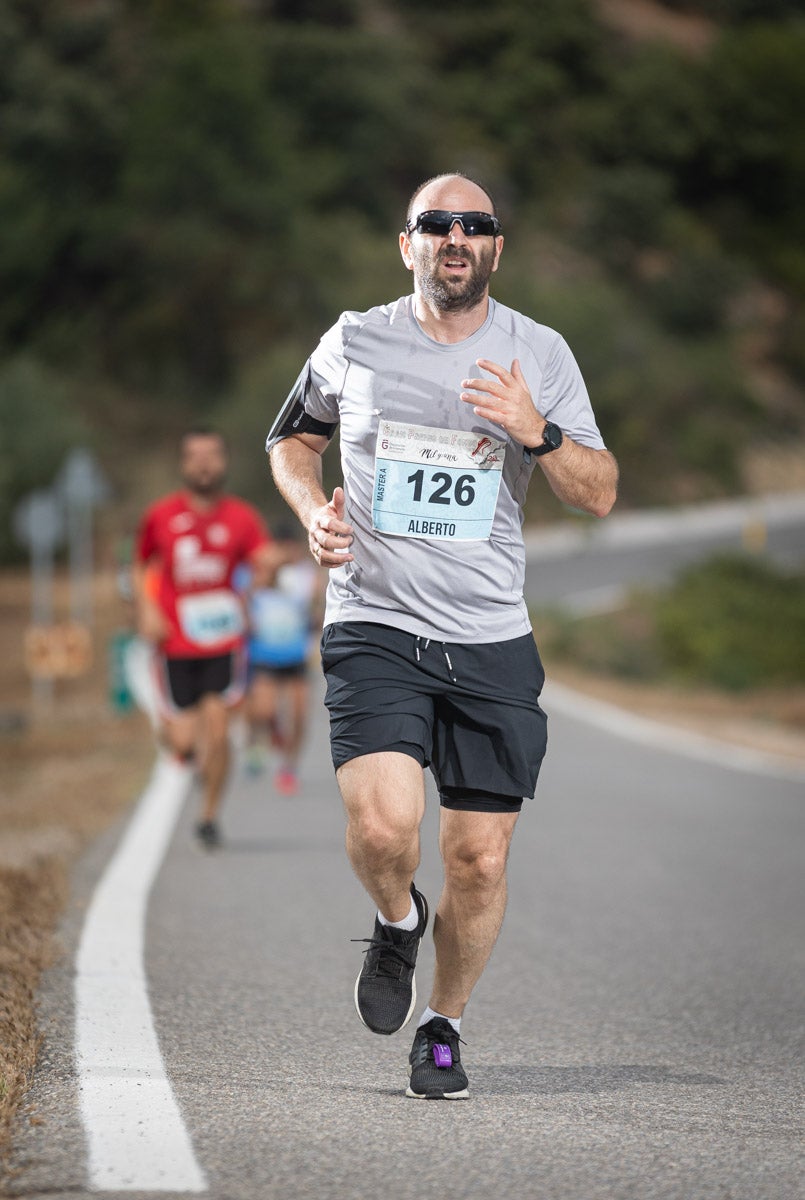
pixel 421 644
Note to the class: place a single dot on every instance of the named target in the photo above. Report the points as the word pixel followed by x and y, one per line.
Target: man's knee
pixel 384 799
pixel 475 867
pixel 382 832
pixel 180 735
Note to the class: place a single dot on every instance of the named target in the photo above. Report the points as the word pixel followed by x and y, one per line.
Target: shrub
pixel 735 622
pixel 732 622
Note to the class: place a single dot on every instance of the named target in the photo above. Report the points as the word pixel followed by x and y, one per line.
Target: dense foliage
pixel 733 621
pixel 191 190
pixel 736 622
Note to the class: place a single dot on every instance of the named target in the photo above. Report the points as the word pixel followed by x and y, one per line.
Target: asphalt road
pixel 589 565
pixel 638 1033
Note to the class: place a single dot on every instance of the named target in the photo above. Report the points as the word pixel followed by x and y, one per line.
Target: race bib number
pixel 435 483
pixel 210 618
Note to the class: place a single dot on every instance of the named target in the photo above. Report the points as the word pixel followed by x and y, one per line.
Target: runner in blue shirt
pixel 285 615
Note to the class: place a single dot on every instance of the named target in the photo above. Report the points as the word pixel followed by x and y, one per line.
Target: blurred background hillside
pixel 192 190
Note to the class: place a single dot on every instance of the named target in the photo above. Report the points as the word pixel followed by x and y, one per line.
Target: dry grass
pixel 67 772
pixel 31 900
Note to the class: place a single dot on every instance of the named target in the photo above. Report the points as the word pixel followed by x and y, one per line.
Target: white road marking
pixel 139 676
pixel 136 1136
pixel 667 737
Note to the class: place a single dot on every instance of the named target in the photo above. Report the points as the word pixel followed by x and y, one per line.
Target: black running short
pixel 184 681
pixel 297 670
pixel 469 712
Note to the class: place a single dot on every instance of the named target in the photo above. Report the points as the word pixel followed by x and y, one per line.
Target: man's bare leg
pixel 179 733
pixel 384 797
pixel 261 706
pixel 474 847
pixel 213 753
pixel 298 701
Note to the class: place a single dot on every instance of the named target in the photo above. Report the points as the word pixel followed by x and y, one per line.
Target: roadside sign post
pixel 38 524
pixel 40 520
pixel 83 487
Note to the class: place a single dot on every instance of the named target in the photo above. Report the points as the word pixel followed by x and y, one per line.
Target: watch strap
pixel 547 444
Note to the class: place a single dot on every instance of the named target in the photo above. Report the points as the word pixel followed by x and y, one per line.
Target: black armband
pixel 292 417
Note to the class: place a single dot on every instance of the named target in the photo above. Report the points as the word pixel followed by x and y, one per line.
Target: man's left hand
pixel 505 400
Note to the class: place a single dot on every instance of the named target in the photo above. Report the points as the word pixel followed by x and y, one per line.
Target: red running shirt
pixel 198 552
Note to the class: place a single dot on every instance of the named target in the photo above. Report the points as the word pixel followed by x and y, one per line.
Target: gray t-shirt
pixel 434 493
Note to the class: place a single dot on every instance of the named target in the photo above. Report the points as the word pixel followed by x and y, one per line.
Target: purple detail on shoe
pixel 442 1055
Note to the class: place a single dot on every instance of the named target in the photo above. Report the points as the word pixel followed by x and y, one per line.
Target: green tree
pixel 60 131
pixel 38 426
pixel 752 171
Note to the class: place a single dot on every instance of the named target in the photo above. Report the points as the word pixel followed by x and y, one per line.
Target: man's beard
pixel 454 295
pixel 204 486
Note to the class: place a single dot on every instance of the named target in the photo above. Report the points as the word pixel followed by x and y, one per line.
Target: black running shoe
pixel 385 990
pixel 435 1058
pixel 208 834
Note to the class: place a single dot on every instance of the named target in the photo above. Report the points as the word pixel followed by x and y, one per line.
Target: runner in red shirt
pixel 191 613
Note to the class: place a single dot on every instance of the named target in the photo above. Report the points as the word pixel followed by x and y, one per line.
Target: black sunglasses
pixel 440 222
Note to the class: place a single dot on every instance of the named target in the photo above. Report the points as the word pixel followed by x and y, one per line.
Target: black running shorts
pixel 296 670
pixel 469 712
pixel 184 681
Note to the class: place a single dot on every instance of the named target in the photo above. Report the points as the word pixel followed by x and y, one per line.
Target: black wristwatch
pixel 552 438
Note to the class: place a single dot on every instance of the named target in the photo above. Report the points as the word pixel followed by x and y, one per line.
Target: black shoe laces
pixel 439 1037
pixel 387 950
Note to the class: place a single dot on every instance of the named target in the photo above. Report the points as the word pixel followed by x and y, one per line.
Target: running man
pixel 446 401
pixel 190 543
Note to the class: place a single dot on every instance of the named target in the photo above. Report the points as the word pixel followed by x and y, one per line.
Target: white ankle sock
pixel 429 1014
pixel 409 923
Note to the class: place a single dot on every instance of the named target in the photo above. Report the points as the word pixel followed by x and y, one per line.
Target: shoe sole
pixel 410 1013
pixel 462 1095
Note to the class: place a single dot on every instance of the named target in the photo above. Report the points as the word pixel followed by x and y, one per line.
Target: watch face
pixel 552 435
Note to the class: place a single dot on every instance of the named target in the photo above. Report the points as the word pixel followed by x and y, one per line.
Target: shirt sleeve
pixel 564 399
pixel 145 544
pixel 327 371
pixel 312 403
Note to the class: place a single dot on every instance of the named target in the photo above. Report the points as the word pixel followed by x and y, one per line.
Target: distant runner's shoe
pixel 208 834
pixel 435 1058
pixel 286 782
pixel 385 990
pixel 254 760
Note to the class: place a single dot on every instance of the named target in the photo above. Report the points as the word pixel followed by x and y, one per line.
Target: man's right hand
pixel 329 535
pixel 152 624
